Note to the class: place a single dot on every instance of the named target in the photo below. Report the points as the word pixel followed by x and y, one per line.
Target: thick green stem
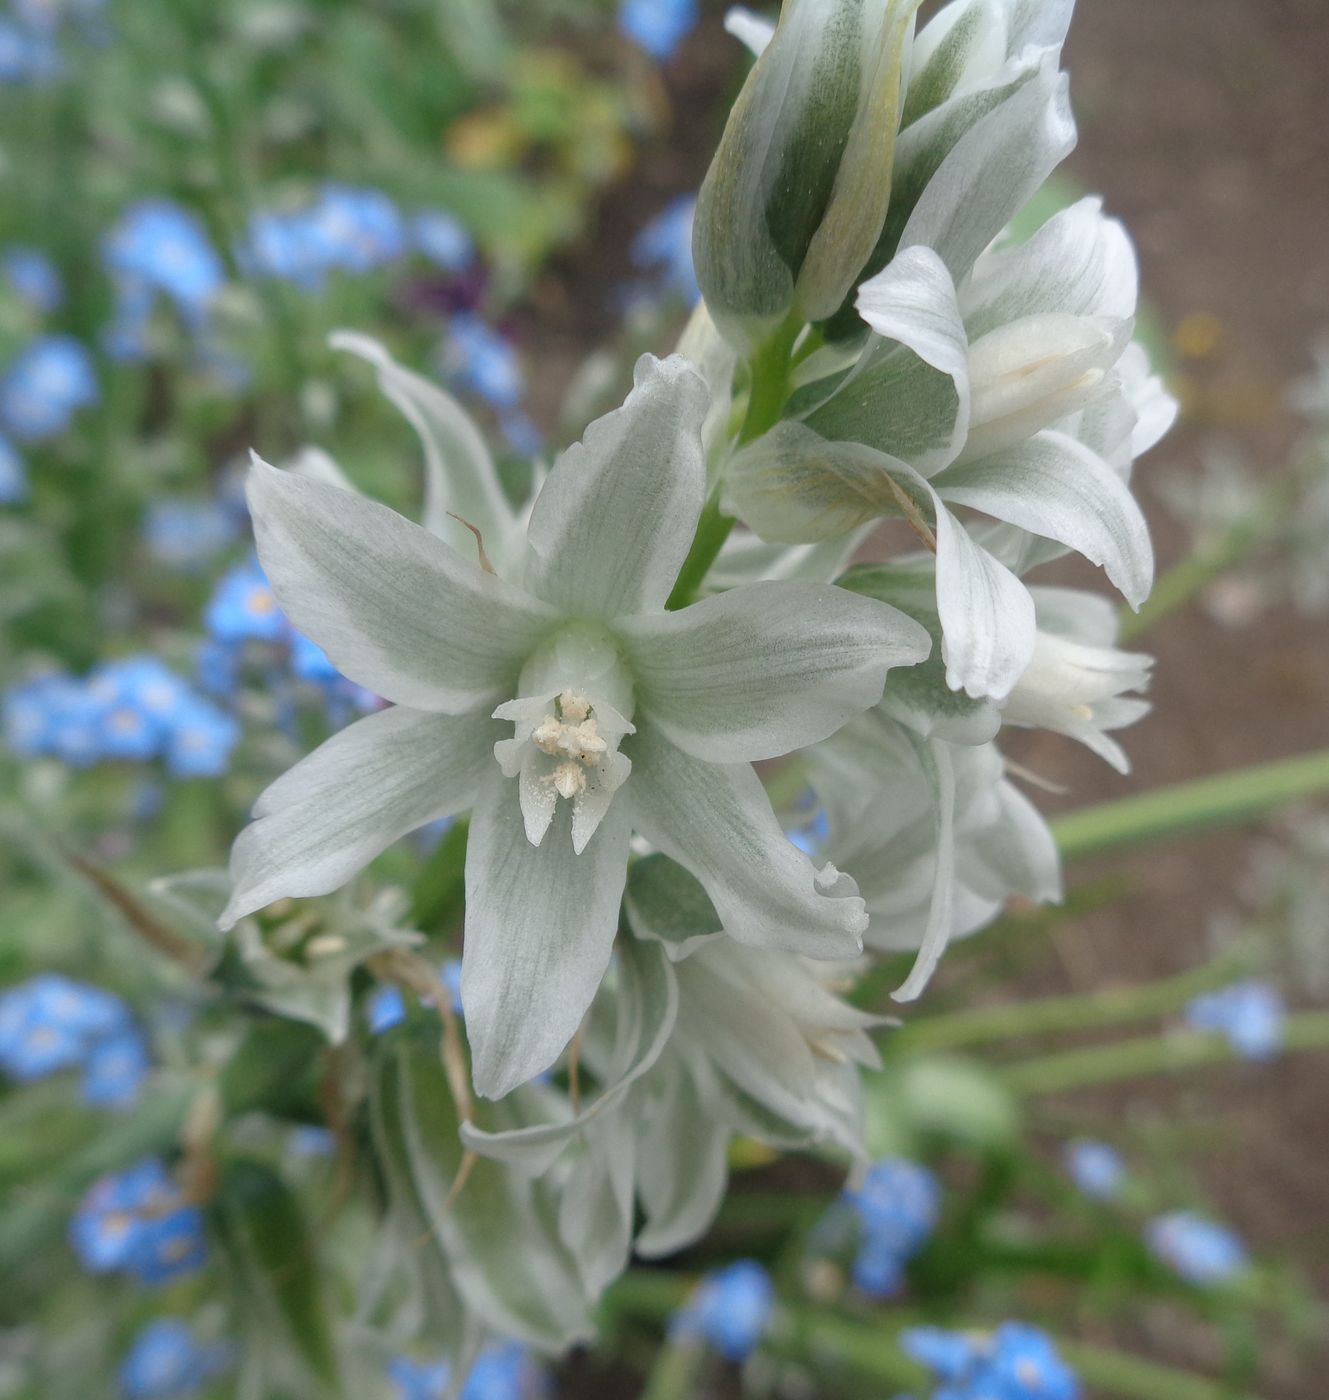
pixel 1148 1055
pixel 1113 1006
pixel 1227 799
pixel 766 401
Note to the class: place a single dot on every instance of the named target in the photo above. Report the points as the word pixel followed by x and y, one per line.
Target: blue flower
pixel 897 1206
pixel 185 533
pixel 385 1007
pixel 157 246
pixel 13 475
pixel 166 1360
pixel 1016 1362
pixel 442 239
pixel 521 434
pixel 657 26
pixel 115 1070
pixel 52 1023
pixel 356 229
pixel 137 1222
pixel 1200 1251
pixel 243 607
pixel 730 1309
pixel 478 359
pixel 26 56
pixel 419 1380
pixel 1250 1014
pixel 201 740
pixel 1095 1168
pixel 812 834
pixel 664 247
pixel 33 276
pixel 286 245
pixel 309 1140
pixel 44 386
pixel 503 1372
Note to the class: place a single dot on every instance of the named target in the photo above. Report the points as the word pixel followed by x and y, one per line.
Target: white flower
pixel 568 709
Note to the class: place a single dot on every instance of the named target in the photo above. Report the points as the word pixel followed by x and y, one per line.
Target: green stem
pixel 1148 1055
pixel 1226 799
pixel 678 1367
pixel 766 401
pixel 1112 1006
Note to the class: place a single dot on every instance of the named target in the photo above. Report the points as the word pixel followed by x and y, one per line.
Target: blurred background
pixel 192 196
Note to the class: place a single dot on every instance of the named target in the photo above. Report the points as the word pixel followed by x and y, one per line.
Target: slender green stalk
pixel 1224 800
pixel 1112 1006
pixel 678 1368
pixel 766 401
pixel 1148 1055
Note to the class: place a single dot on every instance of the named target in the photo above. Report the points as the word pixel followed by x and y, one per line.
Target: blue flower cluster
pixel 897 1206
pixel 158 249
pixel 1250 1014
pixel 502 1372
pixel 134 709
pixel 385 1006
pixel 1096 1169
pixel 657 26
pixel 1016 1362
pixel 52 1023
pixel 244 609
pixel 1200 1251
pixel 730 1310
pixel 137 1222
pixel 350 229
pixel 44 385
pixel 167 1361
pixel 664 249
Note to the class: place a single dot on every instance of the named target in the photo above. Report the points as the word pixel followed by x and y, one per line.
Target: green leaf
pixel 278 1283
pixel 667 904
pixel 499 1235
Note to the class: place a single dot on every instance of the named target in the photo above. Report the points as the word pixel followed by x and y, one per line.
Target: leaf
pixel 278 1282
pixel 499 1235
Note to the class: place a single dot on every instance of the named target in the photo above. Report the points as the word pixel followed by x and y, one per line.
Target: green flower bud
pixel 797 194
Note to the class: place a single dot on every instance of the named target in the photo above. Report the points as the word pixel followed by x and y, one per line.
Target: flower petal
pixel 614 522
pixel 753 31
pixel 540 926
pixel 351 798
pixel 1056 487
pixel 395 609
pixel 460 478
pixel 936 761
pixel 987 615
pixel 993 169
pixel 717 822
pixel 763 670
pixel 1080 263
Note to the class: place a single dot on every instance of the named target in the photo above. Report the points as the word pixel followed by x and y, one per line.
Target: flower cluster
pixel 137 1222
pixel 1015 1362
pixel 502 1372
pixel 132 710
pixel 897 1205
pixel 44 386
pixel 52 1023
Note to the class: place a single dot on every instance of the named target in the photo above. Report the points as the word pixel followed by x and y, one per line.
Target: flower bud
pixel 797 194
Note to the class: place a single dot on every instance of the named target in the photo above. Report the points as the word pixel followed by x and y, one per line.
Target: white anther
pixel 568 779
